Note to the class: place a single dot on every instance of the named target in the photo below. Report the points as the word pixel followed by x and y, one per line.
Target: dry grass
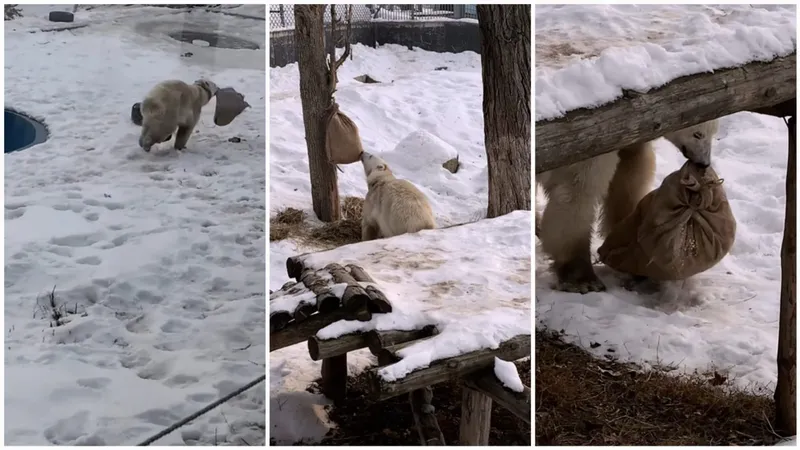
pixel 290 224
pixel 583 400
pixel 286 223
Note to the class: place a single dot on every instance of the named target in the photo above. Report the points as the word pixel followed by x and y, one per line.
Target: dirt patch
pixel 583 400
pixel 290 224
pixel 363 422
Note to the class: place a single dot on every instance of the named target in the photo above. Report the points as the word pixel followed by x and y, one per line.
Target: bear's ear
pixel 380 167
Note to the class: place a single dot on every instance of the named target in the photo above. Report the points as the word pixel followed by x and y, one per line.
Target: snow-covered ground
pixel 161 254
pixel 416 119
pixel 587 54
pixel 735 327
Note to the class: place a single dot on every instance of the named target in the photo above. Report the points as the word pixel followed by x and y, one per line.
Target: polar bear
pixel 173 107
pixel 618 179
pixel 392 207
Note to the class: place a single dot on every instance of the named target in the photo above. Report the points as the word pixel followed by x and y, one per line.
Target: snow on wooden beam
pixel 449 369
pixel 519 403
pixel 686 101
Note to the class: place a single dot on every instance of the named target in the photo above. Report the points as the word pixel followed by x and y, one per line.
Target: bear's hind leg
pixel 182 137
pixel 565 229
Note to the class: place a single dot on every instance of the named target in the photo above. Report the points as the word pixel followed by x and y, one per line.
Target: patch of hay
pixel 290 223
pixel 346 230
pixel 286 223
pixel 352 207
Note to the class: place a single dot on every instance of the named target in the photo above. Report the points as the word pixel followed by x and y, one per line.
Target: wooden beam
pixel 786 388
pixel 424 418
pixel 683 102
pixel 379 340
pixel 296 332
pixel 327 348
pixel 448 369
pixel 476 418
pixel 519 403
pixel 785 109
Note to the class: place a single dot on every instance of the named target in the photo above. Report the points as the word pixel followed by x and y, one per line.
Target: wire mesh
pixel 281 17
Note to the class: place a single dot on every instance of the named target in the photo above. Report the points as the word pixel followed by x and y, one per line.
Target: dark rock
pixel 452 165
pixel 61 16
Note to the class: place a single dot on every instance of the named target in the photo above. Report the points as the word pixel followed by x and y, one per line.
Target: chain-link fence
pixel 281 17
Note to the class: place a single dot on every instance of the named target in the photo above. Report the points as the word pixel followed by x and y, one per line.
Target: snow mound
pixel 506 372
pixel 421 152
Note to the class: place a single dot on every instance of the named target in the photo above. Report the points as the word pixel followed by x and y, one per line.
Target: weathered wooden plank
pixel 449 369
pixel 686 101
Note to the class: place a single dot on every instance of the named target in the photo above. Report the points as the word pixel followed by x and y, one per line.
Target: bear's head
pixel 695 142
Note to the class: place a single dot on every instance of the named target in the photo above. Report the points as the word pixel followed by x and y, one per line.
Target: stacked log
pixel 325 296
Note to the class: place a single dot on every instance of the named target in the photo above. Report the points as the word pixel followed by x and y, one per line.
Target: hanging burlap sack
pixel 342 141
pixel 229 105
pixel 683 228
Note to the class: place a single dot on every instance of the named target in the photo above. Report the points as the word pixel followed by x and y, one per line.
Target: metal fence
pixel 281 17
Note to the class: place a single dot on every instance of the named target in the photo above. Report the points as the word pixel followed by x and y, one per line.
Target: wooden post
pixel 476 418
pixel 315 98
pixel 334 378
pixel 785 391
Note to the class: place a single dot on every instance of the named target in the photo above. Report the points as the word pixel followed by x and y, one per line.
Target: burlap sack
pixel 683 228
pixel 229 105
pixel 342 141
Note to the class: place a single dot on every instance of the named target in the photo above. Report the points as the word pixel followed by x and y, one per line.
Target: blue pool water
pixel 22 132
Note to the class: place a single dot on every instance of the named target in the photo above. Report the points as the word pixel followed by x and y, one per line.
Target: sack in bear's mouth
pixel 682 228
pixel 229 105
pixel 342 141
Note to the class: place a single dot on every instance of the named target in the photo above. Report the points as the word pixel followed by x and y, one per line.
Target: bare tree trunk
pixel 785 391
pixel 506 67
pixel 315 99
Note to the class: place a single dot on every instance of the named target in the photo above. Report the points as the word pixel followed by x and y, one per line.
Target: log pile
pixel 321 297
